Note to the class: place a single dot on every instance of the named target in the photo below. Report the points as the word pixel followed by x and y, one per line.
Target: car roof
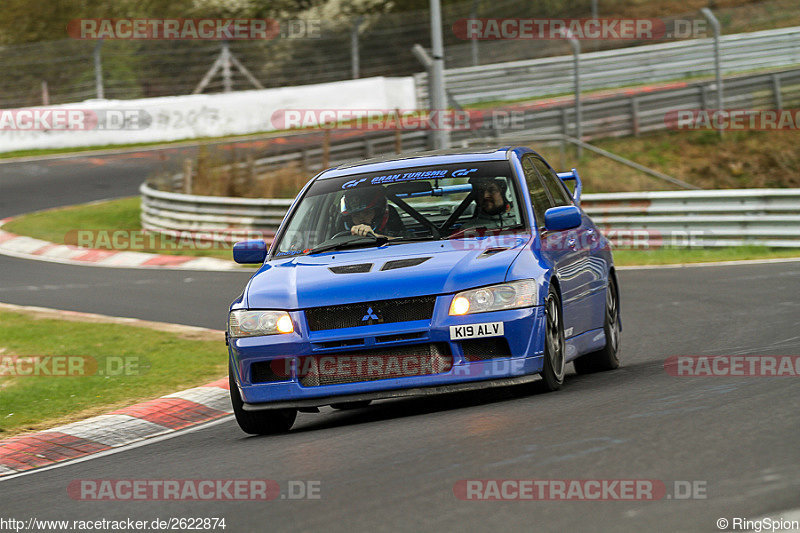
pixel 416 159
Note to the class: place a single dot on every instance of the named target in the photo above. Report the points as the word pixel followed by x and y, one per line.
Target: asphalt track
pixel 394 464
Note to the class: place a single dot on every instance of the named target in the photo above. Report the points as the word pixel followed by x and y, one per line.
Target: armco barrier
pixel 636 65
pixel 768 217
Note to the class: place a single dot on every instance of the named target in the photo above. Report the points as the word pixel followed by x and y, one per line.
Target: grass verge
pixel 669 256
pixel 61 226
pixel 127 364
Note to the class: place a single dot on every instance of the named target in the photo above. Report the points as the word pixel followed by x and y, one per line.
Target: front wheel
pixel 605 358
pixel 554 344
pixel 259 422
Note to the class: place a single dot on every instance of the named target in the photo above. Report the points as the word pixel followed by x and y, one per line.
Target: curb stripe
pixel 112 430
pixel 173 413
pixel 37 249
pixel 40 449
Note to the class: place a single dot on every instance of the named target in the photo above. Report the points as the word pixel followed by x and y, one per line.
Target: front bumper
pixel 523 331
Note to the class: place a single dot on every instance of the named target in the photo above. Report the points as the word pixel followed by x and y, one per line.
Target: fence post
pixel 98 71
pixel 776 88
pixel 635 115
pixel 704 97
pixel 45 93
pixel 368 149
pixel 354 54
pixel 226 67
pixel 717 59
pixel 306 160
pixel 474 42
pixel 576 49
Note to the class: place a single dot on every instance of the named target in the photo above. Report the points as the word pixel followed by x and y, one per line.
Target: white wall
pixel 186 117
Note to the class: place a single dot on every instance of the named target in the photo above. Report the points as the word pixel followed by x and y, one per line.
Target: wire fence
pixel 70 70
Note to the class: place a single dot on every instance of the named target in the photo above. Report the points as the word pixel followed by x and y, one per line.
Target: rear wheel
pixel 259 422
pixel 554 344
pixel 605 358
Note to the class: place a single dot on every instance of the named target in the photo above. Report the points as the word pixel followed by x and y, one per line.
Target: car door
pixel 582 272
pixel 560 248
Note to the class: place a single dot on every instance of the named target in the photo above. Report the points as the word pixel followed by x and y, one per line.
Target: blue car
pixel 418 275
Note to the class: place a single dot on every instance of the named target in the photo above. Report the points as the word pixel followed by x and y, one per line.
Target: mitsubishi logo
pixel 370 316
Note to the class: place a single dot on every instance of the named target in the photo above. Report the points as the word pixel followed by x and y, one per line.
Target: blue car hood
pixel 454 265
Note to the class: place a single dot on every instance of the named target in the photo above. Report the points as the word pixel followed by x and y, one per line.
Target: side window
pixel 541 202
pixel 554 185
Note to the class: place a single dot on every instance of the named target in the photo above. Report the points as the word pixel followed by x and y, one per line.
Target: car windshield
pixel 399 205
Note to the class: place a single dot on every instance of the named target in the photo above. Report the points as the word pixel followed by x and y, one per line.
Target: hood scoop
pixel 351 269
pixel 491 251
pixel 403 263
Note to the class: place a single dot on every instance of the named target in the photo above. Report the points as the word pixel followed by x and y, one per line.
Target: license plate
pixel 474 331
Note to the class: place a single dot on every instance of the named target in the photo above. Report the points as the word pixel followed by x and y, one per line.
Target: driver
pixel 366 212
pixel 493 209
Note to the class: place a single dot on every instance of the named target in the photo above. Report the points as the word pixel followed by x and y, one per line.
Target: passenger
pixel 366 212
pixel 493 210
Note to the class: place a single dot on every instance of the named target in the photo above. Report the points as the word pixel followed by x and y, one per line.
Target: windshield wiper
pixel 356 240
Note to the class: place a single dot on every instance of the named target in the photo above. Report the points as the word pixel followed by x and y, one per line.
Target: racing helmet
pixel 358 200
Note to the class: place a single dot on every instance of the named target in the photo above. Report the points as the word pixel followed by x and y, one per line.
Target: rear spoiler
pixel 573 175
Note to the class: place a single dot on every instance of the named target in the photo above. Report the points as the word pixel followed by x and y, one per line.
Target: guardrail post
pixel 704 97
pixel 368 149
pixel 776 88
pixel 398 141
pixel 635 115
pixel 187 176
pixel 251 167
pixel 326 149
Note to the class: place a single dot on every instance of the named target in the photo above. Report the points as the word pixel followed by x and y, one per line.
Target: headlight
pixel 253 323
pixel 495 298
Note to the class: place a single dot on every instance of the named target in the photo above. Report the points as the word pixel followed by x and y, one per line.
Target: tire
pixel 554 343
pixel 346 406
pixel 259 422
pixel 605 358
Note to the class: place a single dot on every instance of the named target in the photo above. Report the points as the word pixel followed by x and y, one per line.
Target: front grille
pixel 368 313
pixel 373 365
pixel 482 349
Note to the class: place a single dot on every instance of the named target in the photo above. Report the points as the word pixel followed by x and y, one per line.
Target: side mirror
pixel 561 218
pixel 248 252
pixel 573 175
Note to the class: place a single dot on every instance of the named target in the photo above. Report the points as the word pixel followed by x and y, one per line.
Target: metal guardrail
pixel 637 65
pixel 767 217
pixel 612 116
